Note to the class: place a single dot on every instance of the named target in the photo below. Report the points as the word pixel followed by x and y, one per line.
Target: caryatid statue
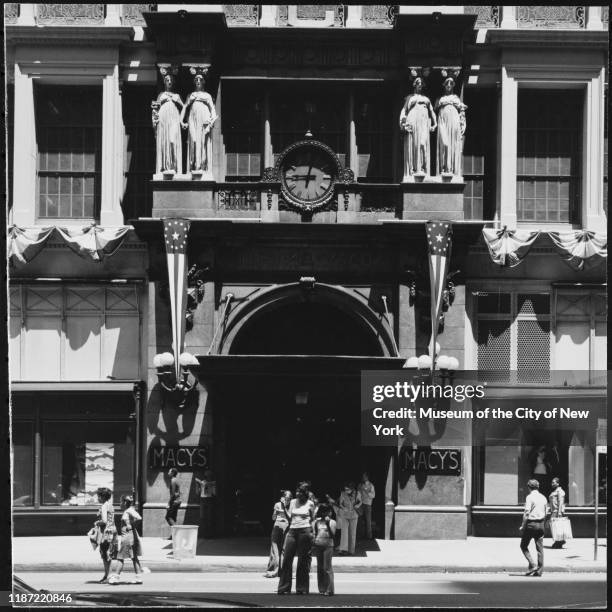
pixel 451 129
pixel 417 121
pixel 166 122
pixel 200 112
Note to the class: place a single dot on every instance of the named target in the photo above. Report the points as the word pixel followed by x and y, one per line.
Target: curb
pixel 190 566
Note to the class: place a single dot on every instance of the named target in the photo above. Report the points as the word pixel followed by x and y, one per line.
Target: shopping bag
pixel 94 534
pixel 560 529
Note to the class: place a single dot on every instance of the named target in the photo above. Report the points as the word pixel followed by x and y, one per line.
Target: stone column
pixel 27 15
pixel 268 15
pixel 593 216
pixel 268 156
pixel 594 21
pixel 508 18
pixel 113 15
pixel 353 17
pixel 112 151
pixel 25 151
pixel 507 150
pixel 352 161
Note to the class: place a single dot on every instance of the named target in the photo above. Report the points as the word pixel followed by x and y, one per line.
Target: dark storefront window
pixel 242 132
pixel 549 163
pixel 69 136
pixel 479 153
pixel 293 113
pixel 80 457
pixel 512 455
pixel 140 151
pixel 23 463
pixel 374 126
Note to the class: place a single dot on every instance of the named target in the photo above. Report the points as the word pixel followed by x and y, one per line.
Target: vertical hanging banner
pixel 175 237
pixel 439 249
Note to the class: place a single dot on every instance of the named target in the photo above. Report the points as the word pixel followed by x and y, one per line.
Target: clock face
pixel 308 171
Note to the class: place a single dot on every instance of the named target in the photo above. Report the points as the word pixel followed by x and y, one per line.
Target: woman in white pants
pixel 346 509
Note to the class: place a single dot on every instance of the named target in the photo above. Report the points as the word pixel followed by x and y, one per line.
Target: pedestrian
pixel 532 527
pixel 347 513
pixel 298 541
pixel 323 548
pixel 107 532
pixel 174 503
pixel 208 492
pixel 280 518
pixel 556 502
pixel 368 493
pixel 130 546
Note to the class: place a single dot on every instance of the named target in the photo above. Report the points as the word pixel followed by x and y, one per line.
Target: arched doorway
pixel 294 413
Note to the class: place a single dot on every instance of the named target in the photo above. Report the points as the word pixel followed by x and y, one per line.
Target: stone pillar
pixel 594 21
pixel 508 18
pixel 507 150
pixel 352 161
pixel 113 15
pixel 268 159
pixel 353 17
pixel 593 216
pixel 112 151
pixel 268 15
pixel 27 15
pixel 25 151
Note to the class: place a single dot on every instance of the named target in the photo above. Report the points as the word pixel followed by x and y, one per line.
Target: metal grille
pixel 486 16
pixel 131 14
pixel 551 16
pixel 533 351
pixel 239 199
pixel 70 14
pixel 379 15
pixel 494 350
pixel 241 14
pixel 534 304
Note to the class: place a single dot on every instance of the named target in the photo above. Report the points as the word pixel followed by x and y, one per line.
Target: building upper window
pixel 523 336
pixel 74 333
pixel 549 164
pixel 69 137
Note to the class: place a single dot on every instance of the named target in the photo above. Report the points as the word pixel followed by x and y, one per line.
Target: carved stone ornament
pixel 451 127
pixel 346 176
pixel 166 117
pixel 270 175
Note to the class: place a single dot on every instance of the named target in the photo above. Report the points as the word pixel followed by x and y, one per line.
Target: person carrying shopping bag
pixel 560 526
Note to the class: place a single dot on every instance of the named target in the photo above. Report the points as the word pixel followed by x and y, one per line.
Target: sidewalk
pixel 250 554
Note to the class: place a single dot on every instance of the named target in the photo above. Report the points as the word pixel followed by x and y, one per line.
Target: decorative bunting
pixel 508 247
pixel 175 239
pixel 94 242
pixel 24 244
pixel 581 249
pixel 438 247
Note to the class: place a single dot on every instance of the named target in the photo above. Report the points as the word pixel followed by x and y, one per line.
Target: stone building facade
pixel 306 252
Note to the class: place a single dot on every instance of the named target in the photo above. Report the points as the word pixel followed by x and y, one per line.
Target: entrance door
pixel 283 430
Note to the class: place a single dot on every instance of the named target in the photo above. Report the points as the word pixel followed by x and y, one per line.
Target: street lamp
pixel 177 382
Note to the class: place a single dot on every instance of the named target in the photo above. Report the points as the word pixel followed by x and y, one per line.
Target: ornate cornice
pixel 90 36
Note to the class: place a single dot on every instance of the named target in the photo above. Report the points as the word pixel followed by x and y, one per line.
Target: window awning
pixel 85 386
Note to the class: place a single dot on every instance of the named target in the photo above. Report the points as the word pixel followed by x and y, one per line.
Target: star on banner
pixel 175 235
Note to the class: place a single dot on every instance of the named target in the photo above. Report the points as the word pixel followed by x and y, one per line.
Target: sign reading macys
pixel 183 458
pixel 431 461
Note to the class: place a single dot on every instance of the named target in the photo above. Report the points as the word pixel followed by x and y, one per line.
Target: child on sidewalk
pixel 130 547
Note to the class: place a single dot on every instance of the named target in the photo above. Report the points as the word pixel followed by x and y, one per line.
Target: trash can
pixel 184 541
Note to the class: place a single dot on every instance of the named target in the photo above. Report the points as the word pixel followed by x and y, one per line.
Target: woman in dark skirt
pixel 130 547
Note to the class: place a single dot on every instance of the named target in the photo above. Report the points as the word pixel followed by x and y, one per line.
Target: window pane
pixel 42 338
pixel 534 304
pixel 572 345
pixel 69 120
pixel 83 347
pixel 120 347
pixel 79 457
pixel 494 348
pixel 494 303
pixel 23 463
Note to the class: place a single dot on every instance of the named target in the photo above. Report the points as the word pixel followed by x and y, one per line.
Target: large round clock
pixel 308 171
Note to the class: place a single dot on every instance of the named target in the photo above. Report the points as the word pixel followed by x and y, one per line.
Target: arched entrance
pixel 291 403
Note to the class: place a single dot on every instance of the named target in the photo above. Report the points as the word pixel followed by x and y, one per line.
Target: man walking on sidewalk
pixel 533 527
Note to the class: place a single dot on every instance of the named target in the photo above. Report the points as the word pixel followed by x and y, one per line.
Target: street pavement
pixel 368 589
pixel 250 554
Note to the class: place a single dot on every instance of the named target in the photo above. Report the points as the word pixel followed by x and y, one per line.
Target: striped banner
pixel 438 248
pixel 175 237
